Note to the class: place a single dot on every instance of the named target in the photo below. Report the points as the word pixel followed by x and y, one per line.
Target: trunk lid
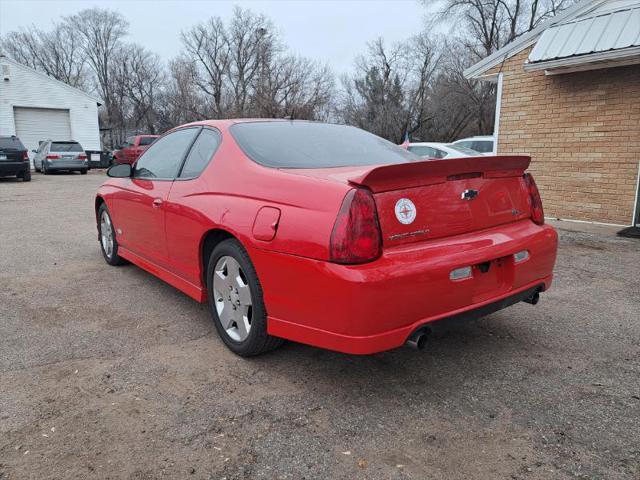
pixel 438 198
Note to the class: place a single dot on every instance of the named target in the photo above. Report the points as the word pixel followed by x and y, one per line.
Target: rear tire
pixel 237 297
pixel 108 242
pixel 44 169
pixel 26 176
pixel 83 172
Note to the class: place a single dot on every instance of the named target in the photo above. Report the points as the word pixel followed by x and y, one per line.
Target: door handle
pixel 157 202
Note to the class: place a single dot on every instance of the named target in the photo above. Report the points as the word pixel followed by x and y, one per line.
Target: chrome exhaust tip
pixel 533 299
pixel 418 339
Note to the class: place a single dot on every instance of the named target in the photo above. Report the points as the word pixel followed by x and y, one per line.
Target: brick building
pixel 569 96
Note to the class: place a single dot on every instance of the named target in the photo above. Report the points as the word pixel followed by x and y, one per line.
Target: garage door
pixel 35 124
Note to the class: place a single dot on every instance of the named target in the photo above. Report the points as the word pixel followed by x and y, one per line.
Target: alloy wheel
pixel 233 300
pixel 106 234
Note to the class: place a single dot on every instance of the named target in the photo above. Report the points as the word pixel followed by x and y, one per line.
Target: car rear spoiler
pixel 431 172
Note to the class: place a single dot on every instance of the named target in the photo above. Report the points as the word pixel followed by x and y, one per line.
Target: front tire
pixel 107 236
pixel 236 301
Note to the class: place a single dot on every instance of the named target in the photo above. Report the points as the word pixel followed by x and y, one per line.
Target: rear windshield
pixel 65 147
pixel 315 145
pixel 147 140
pixel 11 143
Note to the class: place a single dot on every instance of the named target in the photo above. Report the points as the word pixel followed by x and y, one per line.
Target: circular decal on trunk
pixel 405 211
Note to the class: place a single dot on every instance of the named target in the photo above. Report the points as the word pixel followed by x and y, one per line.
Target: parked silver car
pixel 60 155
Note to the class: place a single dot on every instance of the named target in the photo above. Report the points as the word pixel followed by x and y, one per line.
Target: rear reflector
pixel 460 273
pixel 521 256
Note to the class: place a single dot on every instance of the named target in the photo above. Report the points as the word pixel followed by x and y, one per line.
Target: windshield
pixel 65 147
pixel 11 143
pixel 300 144
pixel 147 140
pixel 426 151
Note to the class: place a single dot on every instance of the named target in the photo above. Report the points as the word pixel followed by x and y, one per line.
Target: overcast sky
pixel 331 31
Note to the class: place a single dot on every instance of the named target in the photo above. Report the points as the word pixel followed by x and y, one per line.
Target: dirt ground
pixel 110 373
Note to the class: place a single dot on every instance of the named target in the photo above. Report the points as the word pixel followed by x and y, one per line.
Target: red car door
pixel 184 225
pixel 140 205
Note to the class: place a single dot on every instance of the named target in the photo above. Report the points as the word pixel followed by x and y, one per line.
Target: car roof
pixel 477 137
pixel 232 121
pixel 427 144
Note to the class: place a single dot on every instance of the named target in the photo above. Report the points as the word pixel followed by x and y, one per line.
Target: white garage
pixel 36 107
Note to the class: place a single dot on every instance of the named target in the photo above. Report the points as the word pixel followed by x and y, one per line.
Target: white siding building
pixel 36 107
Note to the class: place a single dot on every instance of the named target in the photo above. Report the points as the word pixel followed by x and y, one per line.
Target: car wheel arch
pixel 98 203
pixel 209 241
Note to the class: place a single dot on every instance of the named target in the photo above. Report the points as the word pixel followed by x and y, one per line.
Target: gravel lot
pixel 110 373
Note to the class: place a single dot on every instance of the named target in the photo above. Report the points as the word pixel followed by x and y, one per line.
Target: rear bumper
pixel 374 307
pixel 13 168
pixel 67 165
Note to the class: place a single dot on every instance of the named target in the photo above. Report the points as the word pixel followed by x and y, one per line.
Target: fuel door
pixel 265 225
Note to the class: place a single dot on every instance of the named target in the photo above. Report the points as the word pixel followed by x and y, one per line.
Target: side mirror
pixel 120 170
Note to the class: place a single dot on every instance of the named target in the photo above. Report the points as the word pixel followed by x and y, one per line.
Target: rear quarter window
pixel 300 144
pixel 483 146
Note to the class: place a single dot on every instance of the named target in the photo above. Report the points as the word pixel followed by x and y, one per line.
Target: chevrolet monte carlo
pixel 326 234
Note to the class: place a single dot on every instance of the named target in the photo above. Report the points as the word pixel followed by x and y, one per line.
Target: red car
pixel 133 148
pixel 326 234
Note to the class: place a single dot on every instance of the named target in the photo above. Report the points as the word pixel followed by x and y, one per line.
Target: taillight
pixel 25 155
pixel 53 157
pixel 82 156
pixel 537 213
pixel 356 234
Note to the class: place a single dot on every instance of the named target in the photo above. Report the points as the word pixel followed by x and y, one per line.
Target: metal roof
pixel 478 70
pixel 599 33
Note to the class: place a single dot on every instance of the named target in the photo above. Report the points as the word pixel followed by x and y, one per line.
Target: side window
pixel 201 152
pixel 439 153
pixel 128 142
pixel 464 144
pixel 483 146
pixel 163 158
pixel 146 141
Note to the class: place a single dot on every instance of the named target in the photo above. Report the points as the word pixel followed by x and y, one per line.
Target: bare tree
pixel 390 92
pixel 101 32
pixel 490 24
pixel 207 49
pixel 57 53
pixel 139 80
pixel 241 69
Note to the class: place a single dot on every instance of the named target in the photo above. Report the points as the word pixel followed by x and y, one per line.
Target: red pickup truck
pixel 133 148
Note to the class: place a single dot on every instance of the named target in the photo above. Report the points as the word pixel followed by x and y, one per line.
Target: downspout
pixel 496 122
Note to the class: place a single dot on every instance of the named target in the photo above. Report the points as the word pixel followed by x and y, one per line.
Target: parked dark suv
pixel 14 159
